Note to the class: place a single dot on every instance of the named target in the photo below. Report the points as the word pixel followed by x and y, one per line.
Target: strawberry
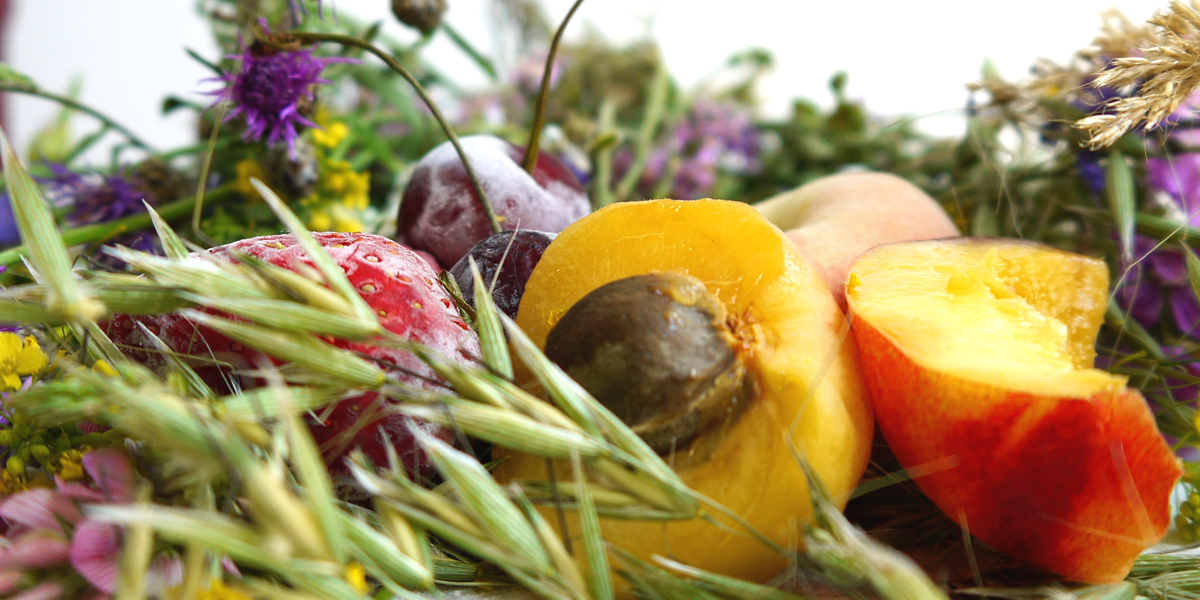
pixel 395 281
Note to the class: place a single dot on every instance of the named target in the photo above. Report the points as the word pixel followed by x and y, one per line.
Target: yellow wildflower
pixel 331 135
pixel 70 465
pixel 102 367
pixel 217 590
pixel 341 181
pixel 246 169
pixel 320 220
pixel 356 576
pixel 344 221
pixel 19 358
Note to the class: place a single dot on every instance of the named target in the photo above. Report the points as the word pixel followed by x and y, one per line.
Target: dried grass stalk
pixel 1166 73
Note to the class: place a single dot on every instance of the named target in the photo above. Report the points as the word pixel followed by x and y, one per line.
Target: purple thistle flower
pixel 270 87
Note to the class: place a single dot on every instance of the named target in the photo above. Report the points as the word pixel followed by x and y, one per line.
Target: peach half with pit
pixel 718 276
pixel 978 356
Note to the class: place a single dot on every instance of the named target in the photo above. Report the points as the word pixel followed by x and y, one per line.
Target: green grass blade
pixel 40 235
pixel 1121 193
pixel 491 332
pixel 334 276
pixel 489 505
pixel 595 555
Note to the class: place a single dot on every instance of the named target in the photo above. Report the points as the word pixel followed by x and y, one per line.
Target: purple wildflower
pixel 95 199
pixel 1158 283
pixel 714 137
pixel 271 87
pixel 1090 170
pixel 10 235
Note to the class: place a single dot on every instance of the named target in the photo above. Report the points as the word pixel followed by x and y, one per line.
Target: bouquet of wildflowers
pixel 197 406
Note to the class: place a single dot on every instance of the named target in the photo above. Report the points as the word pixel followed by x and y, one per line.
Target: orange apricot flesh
pixel 809 381
pixel 978 359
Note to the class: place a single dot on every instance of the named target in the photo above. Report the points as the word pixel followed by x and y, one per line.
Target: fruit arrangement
pixel 506 360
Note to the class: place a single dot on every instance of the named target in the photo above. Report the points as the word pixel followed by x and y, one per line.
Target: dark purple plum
pixel 441 214
pixel 514 254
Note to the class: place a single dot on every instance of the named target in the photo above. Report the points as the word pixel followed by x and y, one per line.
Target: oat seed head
pixel 1167 72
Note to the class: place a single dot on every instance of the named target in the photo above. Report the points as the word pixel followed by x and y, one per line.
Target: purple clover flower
pixel 714 137
pixel 270 87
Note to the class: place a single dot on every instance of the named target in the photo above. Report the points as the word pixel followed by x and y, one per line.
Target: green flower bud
pixel 40 452
pixel 15 466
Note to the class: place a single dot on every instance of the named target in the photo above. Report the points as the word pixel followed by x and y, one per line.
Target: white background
pixel 904 58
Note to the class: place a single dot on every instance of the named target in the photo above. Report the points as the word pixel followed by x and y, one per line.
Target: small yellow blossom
pixel 331 135
pixel 246 169
pixel 217 590
pixel 18 358
pixel 345 222
pixel 341 181
pixel 102 367
pixel 320 220
pixel 356 576
pixel 70 465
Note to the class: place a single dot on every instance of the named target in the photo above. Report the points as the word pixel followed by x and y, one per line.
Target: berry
pixel 513 254
pixel 395 281
pixel 441 213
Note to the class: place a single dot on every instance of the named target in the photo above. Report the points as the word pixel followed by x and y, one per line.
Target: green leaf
pixel 12 79
pixel 1193 269
pixel 1117 318
pixel 983 222
pixel 1121 193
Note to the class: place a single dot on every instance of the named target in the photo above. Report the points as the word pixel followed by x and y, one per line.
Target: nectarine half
pixel 978 357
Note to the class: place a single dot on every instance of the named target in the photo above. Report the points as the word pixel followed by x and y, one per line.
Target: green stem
pixel 470 50
pixel 539 111
pixel 601 186
pixel 656 106
pixel 75 105
pixel 347 40
pixel 103 231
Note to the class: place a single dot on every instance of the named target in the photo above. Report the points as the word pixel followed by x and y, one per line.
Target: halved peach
pixel 978 358
pixel 794 345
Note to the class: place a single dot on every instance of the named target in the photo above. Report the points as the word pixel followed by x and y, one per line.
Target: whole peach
pixel 834 219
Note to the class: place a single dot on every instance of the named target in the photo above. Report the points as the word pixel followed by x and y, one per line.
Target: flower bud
pixel 15 466
pixel 423 15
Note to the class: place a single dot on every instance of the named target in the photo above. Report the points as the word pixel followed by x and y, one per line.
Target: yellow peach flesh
pixel 982 320
pixel 808 375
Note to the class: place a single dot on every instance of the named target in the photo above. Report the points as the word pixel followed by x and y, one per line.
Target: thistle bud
pixel 423 15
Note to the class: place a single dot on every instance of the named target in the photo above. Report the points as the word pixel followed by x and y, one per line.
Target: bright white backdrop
pixel 903 57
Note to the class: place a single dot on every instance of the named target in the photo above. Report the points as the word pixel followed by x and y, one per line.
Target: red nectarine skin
pixel 1078 487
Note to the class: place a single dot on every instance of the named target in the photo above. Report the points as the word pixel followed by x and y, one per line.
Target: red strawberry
pixel 395 281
